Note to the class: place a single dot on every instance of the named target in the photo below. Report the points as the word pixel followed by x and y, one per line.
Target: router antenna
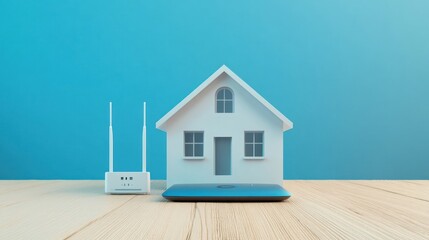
pixel 110 141
pixel 144 138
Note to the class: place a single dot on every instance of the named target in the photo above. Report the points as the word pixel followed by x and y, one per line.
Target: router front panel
pixel 127 182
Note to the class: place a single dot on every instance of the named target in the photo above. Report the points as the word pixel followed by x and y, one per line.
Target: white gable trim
pixel 287 124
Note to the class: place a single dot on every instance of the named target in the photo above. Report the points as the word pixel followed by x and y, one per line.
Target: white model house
pixel 224 132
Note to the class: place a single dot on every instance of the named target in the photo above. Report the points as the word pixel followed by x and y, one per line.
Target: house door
pixel 222 155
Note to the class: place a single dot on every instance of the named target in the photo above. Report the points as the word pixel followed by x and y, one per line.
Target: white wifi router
pixel 127 182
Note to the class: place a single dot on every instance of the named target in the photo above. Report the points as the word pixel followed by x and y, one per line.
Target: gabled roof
pixel 287 124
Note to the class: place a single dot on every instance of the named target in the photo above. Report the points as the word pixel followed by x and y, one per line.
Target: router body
pixel 127 182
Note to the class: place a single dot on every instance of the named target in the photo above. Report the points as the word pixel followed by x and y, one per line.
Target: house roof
pixel 287 124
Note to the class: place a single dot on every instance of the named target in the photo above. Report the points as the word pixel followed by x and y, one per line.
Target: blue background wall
pixel 352 75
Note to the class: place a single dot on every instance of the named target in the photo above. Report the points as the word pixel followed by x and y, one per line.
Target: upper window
pixel 224 100
pixel 194 144
pixel 253 144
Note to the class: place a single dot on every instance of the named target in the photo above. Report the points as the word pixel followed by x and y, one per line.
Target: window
pixel 224 100
pixel 194 144
pixel 254 144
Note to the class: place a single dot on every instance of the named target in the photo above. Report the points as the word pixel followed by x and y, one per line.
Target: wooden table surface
pixel 317 210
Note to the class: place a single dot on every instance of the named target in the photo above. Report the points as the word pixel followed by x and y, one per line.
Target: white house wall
pixel 249 115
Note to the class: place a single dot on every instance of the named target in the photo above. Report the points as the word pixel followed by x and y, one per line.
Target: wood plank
pixel 414 189
pixel 58 214
pixel 7 186
pixel 144 217
pixel 33 190
pixel 383 214
pixel 248 221
pixel 418 182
